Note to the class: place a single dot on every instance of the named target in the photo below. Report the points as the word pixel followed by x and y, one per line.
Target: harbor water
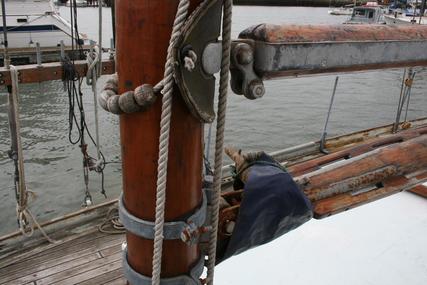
pixel 292 112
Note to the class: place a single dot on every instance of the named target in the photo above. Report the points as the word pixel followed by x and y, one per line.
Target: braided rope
pixel 93 60
pixel 219 144
pixel 26 219
pixel 180 17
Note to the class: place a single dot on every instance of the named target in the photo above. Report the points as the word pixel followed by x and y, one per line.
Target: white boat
pixel 35 21
pixel 341 11
pixel 78 3
pixel 366 15
pixel 404 20
pixel 414 15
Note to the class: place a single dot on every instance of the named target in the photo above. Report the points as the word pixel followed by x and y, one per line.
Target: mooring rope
pixel 165 119
pixel 26 219
pixel 219 141
pixel 112 223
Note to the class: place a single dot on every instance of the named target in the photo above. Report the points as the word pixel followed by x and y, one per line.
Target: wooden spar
pixel 289 50
pixel 143 30
pixel 358 175
pixel 32 73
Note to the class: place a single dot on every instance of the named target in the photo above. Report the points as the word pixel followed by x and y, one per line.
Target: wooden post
pixel 143 32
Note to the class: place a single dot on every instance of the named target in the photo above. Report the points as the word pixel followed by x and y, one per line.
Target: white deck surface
pixel 384 242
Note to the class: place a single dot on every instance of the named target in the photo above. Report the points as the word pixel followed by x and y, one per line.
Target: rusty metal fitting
pixel 192 233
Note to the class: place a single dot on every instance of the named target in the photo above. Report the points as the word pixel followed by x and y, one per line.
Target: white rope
pixel 167 90
pixel 190 61
pixel 93 60
pixel 26 219
pixel 99 67
pixel 219 143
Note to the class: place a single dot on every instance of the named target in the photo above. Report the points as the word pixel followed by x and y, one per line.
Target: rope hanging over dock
pixel 219 141
pixel 26 219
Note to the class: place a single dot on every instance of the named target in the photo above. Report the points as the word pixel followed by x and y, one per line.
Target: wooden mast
pixel 143 30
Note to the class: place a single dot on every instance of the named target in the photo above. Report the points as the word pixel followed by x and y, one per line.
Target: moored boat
pixel 341 11
pixel 367 14
pixel 37 22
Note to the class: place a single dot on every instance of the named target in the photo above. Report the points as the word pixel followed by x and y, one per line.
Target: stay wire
pixel 73 84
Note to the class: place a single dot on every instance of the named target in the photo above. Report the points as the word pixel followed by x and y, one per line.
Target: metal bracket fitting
pixel 171 231
pixel 244 80
pixel 197 85
pixel 134 277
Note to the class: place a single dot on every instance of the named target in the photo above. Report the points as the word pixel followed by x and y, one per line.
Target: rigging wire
pixel 405 96
pixel 78 128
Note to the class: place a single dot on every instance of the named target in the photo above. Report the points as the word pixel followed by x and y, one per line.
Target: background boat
pixel 36 21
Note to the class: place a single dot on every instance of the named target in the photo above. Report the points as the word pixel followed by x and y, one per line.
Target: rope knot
pixel 92 61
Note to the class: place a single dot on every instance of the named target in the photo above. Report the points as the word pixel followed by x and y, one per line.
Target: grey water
pixel 291 112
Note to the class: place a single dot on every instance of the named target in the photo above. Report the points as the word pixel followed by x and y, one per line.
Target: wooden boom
pixel 353 176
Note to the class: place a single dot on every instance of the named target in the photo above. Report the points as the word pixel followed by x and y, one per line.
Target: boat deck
pixel 89 258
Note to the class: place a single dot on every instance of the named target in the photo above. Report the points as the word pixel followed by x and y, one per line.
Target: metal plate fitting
pixel 172 230
pixel 244 80
pixel 134 277
pixel 197 84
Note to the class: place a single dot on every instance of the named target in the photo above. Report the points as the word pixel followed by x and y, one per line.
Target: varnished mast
pixel 143 31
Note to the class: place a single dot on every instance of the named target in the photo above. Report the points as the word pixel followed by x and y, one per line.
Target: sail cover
pixel 272 205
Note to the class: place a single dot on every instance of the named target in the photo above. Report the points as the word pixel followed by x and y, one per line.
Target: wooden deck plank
pixel 420 190
pixel 110 250
pixel 31 270
pixel 101 271
pixel 63 253
pixel 76 270
pixel 101 279
pixel 8 260
pixel 119 281
pixel 18 278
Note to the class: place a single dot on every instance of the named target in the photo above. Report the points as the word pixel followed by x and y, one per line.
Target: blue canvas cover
pixel 272 205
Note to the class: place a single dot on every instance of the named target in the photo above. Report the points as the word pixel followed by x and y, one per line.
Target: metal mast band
pixel 134 277
pixel 172 230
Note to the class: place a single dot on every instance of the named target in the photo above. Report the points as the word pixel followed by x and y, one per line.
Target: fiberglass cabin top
pixel 366 15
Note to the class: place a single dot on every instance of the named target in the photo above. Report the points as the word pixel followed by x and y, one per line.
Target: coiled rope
pixel 219 141
pixel 165 119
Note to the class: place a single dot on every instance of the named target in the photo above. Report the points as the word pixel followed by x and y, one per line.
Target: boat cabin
pixel 366 15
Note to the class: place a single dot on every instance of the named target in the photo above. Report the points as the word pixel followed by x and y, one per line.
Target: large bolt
pixel 244 54
pixel 255 90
